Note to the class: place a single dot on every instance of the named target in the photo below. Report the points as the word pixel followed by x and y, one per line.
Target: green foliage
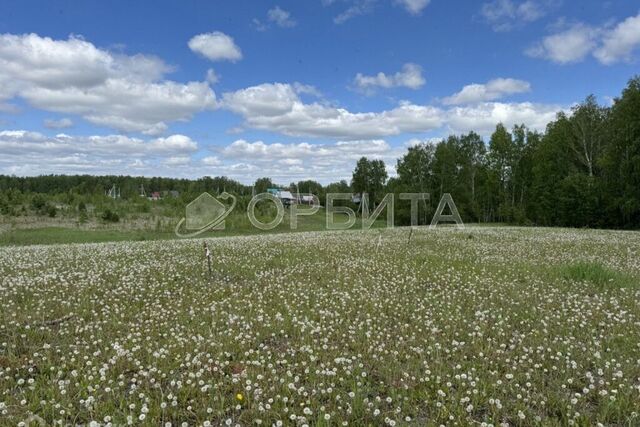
pixel 38 202
pixel 83 217
pixel 262 185
pixel 51 211
pixel 110 216
pixel 369 177
pixel 5 207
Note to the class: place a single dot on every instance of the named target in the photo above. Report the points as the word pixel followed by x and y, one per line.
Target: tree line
pixel 583 171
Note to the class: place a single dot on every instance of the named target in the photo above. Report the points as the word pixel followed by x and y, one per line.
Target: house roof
pixel 285 195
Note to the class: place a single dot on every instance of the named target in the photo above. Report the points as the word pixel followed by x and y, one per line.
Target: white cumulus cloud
pixel 567 46
pixel 127 93
pixel 325 162
pixel 490 91
pixel 216 46
pixel 29 153
pixel 620 42
pixel 608 43
pixel 482 118
pixel 278 108
pixel 260 150
pixel 410 76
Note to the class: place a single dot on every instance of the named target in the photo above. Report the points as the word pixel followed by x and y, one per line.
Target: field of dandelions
pixel 502 327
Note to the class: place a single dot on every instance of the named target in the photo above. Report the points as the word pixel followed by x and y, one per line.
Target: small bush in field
pixel 51 211
pixel 110 216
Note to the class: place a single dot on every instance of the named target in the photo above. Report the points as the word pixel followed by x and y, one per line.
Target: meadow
pixel 476 327
pixel 33 230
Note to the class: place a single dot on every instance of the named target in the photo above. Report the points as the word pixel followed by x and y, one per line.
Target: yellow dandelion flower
pixel 240 397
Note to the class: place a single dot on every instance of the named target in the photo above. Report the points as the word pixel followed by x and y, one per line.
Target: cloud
pixel 281 17
pixel 176 161
pixel 215 46
pixel 364 7
pixel 33 153
pixel 9 108
pixel 300 89
pixel 212 76
pixel 410 76
pixel 276 16
pixel 359 7
pixel 127 93
pixel 211 161
pixel 277 107
pixel 58 124
pixel 259 25
pixel 570 45
pixel 490 91
pixel 505 15
pixel 608 44
pixel 414 7
pixel 326 162
pixel 125 105
pixel 268 152
pixel 173 144
pixel 482 118
pixel 619 43
pixel 19 141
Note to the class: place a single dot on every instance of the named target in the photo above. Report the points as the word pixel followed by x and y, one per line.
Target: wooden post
pixel 207 254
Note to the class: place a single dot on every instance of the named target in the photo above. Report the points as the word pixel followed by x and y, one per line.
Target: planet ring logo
pixel 205 213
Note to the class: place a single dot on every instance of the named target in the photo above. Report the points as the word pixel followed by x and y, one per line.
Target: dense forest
pixel 583 171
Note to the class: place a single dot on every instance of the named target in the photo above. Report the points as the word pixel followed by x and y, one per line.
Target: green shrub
pixel 51 211
pixel 38 203
pixel 110 216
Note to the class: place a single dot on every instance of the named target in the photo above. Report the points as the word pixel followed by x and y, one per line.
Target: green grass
pixel 488 325
pixel 57 235
pixel 601 277
pixel 236 225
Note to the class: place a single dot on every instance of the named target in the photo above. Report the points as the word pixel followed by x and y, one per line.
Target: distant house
pixel 306 199
pixel 286 197
pixel 155 196
pixel 356 198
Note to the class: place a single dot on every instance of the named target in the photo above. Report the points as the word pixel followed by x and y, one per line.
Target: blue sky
pixel 289 89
